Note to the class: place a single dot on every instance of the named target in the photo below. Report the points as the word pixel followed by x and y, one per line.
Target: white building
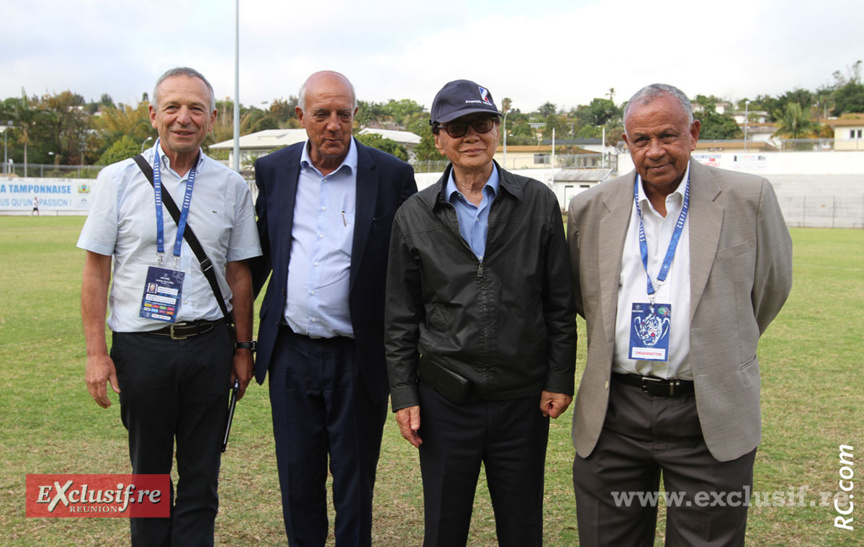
pixel 255 145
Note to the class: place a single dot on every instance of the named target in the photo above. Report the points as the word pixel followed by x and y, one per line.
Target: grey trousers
pixel 643 438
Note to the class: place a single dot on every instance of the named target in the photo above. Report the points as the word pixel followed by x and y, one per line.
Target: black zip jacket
pixel 506 324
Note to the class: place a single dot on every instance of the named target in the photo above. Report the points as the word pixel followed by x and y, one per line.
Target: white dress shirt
pixel 633 286
pixel 122 223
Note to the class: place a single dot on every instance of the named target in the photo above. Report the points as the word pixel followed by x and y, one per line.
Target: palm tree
pixel 792 121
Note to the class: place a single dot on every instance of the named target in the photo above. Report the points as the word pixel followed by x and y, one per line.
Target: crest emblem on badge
pixel 651 329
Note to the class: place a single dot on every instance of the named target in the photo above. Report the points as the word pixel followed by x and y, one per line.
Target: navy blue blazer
pixel 383 183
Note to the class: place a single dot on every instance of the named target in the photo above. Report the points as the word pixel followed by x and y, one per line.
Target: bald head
pixel 326 80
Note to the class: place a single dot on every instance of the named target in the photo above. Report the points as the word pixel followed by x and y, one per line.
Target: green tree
pixel 283 111
pixel 519 132
pixel 67 125
pixel 561 125
pixel 123 148
pixel 426 150
pixel 598 112
pixel 386 145
pixel 718 126
pixel 849 98
pixel 124 120
pixel 792 121
pixel 546 110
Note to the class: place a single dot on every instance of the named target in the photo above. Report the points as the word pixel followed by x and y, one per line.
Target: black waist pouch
pixel 450 385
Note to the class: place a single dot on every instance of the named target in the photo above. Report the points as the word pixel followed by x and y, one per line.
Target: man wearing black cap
pixel 481 331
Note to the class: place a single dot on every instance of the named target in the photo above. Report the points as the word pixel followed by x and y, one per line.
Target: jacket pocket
pixel 439 319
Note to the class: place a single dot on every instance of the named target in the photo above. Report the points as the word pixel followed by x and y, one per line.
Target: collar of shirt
pixel 490 189
pixel 350 161
pixel 674 201
pixel 473 219
pixel 167 162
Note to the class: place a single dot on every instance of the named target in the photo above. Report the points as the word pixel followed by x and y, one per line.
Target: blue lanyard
pixel 184 211
pixel 673 243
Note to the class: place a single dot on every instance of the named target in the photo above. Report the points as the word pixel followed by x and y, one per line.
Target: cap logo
pixel 484 94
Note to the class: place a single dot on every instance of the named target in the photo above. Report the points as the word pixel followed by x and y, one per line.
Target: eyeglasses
pixel 459 129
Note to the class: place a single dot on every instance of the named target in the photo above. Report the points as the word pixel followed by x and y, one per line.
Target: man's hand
pixel 100 372
pixel 553 405
pixel 409 423
pixel 242 370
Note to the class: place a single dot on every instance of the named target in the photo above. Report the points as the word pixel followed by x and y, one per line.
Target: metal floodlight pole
pixel 237 86
pixel 145 142
pixel 603 149
pixel 746 112
pixel 505 141
pixel 6 128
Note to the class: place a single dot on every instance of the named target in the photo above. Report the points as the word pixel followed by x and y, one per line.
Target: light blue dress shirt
pixel 321 241
pixel 473 220
pixel 122 224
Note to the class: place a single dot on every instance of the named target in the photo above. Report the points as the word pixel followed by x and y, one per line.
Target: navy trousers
pixel 321 407
pixel 176 389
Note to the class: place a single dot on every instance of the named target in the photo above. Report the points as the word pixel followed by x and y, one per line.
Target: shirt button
pixel 323 208
pixel 312 292
pixel 314 320
pixel 316 264
pixel 607 385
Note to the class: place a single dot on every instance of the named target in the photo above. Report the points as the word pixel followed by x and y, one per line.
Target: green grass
pixel 812 403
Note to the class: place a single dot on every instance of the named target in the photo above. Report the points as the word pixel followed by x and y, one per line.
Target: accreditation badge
pixel 649 335
pixel 162 293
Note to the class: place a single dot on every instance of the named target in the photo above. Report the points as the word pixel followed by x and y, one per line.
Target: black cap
pixel 459 98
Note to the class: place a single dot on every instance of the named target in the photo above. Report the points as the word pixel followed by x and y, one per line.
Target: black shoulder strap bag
pixel 194 244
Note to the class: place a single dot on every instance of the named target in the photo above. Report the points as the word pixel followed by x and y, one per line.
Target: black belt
pixel 332 341
pixel 656 386
pixel 182 331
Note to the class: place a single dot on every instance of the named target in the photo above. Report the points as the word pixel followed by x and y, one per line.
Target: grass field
pixel 812 386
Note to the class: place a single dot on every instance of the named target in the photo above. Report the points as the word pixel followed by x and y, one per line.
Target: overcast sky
pixel 563 51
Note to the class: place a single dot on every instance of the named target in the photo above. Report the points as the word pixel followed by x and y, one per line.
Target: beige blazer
pixel 740 276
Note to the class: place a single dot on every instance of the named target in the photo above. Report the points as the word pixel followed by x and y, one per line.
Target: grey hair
pixel 654 91
pixel 301 97
pixel 183 71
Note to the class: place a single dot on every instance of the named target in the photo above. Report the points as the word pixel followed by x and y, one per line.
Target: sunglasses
pixel 459 129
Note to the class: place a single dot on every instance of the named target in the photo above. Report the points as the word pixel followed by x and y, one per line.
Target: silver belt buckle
pixel 645 382
pixel 171 331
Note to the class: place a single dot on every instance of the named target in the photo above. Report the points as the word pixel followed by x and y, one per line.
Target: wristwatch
pixel 251 346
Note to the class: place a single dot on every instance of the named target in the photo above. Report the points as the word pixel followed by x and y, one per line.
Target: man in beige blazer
pixel 671 384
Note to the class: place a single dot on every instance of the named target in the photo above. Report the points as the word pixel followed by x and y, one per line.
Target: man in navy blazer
pixel 325 210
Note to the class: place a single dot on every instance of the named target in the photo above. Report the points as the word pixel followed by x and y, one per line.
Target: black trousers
pixel 643 437
pixel 509 438
pixel 176 389
pixel 321 407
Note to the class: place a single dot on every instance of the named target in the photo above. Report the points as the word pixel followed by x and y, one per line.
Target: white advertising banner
pixel 62 195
